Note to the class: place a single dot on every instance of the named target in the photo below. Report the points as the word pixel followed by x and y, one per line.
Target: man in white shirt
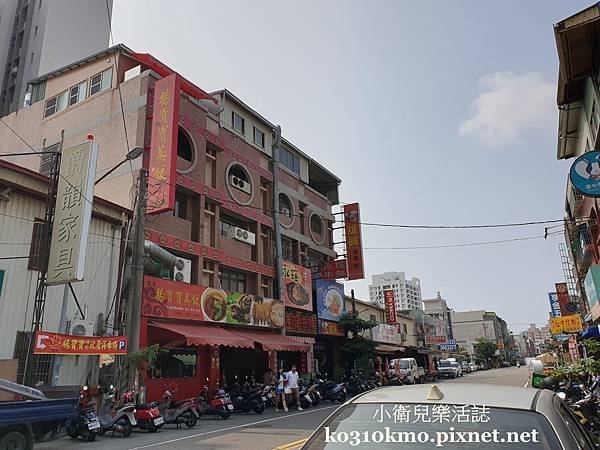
pixel 292 377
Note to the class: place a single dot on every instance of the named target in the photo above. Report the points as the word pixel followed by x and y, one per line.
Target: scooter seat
pixel 144 406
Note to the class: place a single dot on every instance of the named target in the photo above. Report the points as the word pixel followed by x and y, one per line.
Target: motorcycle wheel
pixel 72 431
pixel 315 400
pixel 151 427
pixel 341 397
pixel 224 413
pixel 101 431
pixel 305 403
pixel 259 408
pixel 126 428
pixel 191 421
pixel 90 436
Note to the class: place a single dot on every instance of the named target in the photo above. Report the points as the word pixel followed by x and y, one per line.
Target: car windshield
pixel 404 364
pixel 444 364
pixel 454 364
pixel 451 427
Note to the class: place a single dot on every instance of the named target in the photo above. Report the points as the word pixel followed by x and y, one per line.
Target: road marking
pixel 287 416
pixel 291 445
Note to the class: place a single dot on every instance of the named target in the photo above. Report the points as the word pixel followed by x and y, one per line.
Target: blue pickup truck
pixel 24 422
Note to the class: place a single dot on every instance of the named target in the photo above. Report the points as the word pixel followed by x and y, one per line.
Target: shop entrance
pixel 242 362
pixel 289 359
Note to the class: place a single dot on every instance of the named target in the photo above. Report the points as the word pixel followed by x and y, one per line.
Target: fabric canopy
pixel 591 332
pixel 272 341
pixel 206 335
pixel 387 349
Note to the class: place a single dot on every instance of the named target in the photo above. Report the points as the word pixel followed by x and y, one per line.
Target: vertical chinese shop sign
pixel 353 242
pixel 563 298
pixel 73 213
pixel 163 146
pixel 390 305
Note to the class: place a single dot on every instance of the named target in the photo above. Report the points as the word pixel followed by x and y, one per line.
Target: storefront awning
pixel 387 349
pixel 272 341
pixel 206 335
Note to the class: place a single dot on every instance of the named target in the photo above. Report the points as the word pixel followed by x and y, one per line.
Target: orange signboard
pixel 163 146
pixel 65 344
pixel 566 324
pixel 353 242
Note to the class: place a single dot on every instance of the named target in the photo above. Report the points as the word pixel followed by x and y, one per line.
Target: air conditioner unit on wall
pixel 185 273
pixel 240 184
pixel 243 235
pixel 82 327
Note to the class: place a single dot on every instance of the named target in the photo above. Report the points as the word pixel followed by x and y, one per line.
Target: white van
pixel 409 369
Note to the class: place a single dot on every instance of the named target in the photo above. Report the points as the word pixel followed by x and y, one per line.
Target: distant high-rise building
pixel 38 36
pixel 407 293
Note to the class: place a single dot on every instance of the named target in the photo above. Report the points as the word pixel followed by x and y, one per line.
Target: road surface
pixel 269 430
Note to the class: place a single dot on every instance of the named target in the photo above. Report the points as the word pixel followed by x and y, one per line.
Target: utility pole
pixel 276 224
pixel 137 277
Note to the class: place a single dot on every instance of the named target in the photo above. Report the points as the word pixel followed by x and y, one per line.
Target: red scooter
pixel 146 414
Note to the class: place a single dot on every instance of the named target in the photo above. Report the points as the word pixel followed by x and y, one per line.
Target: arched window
pixel 285 206
pixel 185 149
pixel 316 224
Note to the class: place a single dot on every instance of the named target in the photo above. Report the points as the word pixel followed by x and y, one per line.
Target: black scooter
pixel 85 423
pixel 247 398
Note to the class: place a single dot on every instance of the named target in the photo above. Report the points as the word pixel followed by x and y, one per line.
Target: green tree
pixel 484 350
pixel 592 348
pixel 355 346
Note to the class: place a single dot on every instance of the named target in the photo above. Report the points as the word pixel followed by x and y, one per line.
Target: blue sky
pixel 430 113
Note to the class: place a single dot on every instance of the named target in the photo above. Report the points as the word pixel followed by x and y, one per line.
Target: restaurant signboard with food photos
pixel 298 286
pixel 176 300
pixel 330 300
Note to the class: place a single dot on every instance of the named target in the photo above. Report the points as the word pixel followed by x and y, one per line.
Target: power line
pixel 468 244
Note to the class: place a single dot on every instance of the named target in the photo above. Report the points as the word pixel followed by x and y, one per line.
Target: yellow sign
pixel 566 324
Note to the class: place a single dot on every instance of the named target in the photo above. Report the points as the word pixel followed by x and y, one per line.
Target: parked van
pixel 408 368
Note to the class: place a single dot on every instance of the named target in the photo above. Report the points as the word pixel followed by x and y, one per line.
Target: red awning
pixel 387 349
pixel 272 341
pixel 206 335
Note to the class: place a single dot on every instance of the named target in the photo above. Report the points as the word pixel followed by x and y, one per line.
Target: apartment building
pixel 407 292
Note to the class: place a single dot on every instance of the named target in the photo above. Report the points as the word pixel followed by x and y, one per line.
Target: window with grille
pixel 287 249
pixel 47 159
pixel 231 280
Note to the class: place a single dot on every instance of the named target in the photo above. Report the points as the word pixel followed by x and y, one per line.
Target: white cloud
pixel 511 105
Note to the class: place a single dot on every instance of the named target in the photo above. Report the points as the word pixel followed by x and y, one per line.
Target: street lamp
pixel 132 154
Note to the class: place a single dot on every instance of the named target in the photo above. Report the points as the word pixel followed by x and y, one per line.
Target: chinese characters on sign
pixel 298 286
pixel 300 322
pixel 554 305
pixel 73 212
pixel 566 324
pixel 390 305
pixel 388 334
pixel 163 146
pixel 334 270
pixel 66 344
pixel 415 413
pixel 353 242
pixel 330 328
pixel 432 339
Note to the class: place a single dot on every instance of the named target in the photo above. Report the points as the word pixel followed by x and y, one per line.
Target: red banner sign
pixel 563 298
pixel 436 339
pixel 353 242
pixel 334 270
pixel 330 328
pixel 300 322
pixel 298 286
pixel 47 343
pixel 163 146
pixel 390 305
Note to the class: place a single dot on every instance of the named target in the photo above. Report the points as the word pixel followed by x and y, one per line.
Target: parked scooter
pixel 85 423
pixel 117 417
pixel 219 406
pixel 147 415
pixel 246 398
pixel 330 390
pixel 178 412
pixel 305 399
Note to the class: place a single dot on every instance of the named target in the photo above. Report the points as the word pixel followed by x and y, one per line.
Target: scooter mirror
pixel 85 388
pixel 111 387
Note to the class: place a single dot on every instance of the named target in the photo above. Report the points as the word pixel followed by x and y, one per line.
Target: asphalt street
pixel 266 431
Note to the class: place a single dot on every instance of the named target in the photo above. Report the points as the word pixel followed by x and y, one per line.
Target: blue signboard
pixel 330 300
pixel 585 174
pixel 554 305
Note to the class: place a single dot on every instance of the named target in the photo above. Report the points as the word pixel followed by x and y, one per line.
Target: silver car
pixel 452 416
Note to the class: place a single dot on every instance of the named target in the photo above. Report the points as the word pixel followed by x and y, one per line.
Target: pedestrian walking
pixel 292 377
pixel 280 385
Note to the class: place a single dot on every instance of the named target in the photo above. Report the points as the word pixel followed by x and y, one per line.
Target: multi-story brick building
pixel 221 223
